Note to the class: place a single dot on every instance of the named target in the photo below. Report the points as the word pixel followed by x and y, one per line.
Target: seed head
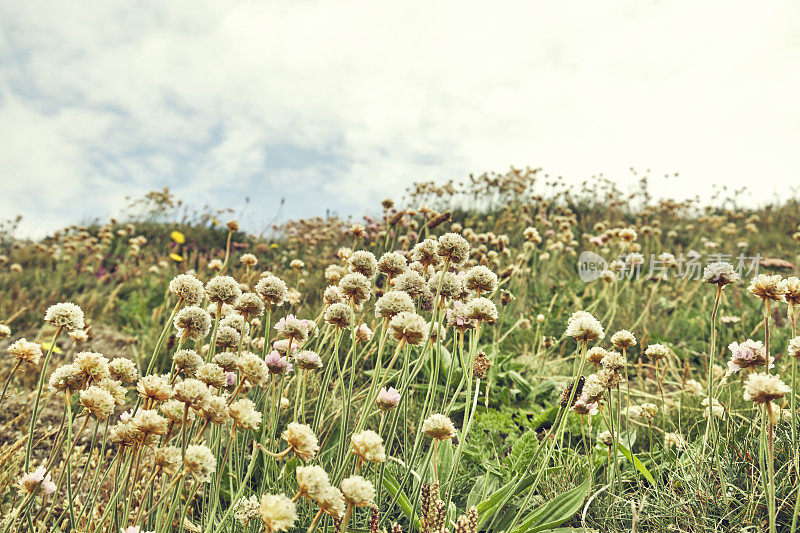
pixel 439 427
pixel 65 315
pixel 188 288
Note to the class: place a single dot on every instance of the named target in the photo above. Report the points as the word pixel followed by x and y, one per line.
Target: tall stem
pixel 35 412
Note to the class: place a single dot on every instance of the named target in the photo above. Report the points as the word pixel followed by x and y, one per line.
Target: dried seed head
pixel 409 327
pixel 368 446
pixel 98 402
pixel 199 462
pixel 481 366
pixel 272 290
pixel 123 369
pixel 358 491
pixel 192 323
pixel 439 427
pixel 223 290
pixel 393 303
pixel 302 440
pixel 27 351
pixel 338 315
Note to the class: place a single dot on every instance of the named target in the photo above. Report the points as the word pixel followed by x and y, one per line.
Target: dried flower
pixel 768 287
pixel 410 328
pixel 223 290
pixel 27 351
pixel 272 290
pixel 582 326
pixel 358 491
pixel 192 323
pixel 32 481
pixel 764 388
pixel 199 462
pixel 748 354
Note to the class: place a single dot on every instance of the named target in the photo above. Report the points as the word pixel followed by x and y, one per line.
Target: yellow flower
pixel 273 245
pixel 215 221
pixel 176 257
pixel 56 349
pixel 178 237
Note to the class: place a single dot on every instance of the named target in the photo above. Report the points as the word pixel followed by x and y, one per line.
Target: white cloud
pixel 344 103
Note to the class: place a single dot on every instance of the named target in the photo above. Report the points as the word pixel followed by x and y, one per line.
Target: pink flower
pixel 388 399
pixel 748 354
pixel 125 416
pixel 31 481
pixel 230 379
pixel 277 364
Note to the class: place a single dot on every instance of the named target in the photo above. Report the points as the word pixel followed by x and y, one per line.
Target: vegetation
pixel 505 354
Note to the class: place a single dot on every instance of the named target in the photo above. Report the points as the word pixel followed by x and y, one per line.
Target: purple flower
pixel 277 364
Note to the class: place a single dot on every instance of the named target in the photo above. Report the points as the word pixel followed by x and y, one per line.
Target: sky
pixel 336 105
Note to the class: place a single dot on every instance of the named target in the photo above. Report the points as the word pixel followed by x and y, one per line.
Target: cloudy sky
pixel 338 104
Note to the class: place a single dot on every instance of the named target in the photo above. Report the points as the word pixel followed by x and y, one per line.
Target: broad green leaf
pixel 556 511
pixel 639 465
pixel 393 487
pixel 488 507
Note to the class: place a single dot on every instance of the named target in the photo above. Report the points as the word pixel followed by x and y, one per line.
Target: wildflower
pixel 439 427
pixel 748 354
pixel 98 402
pixel 187 288
pixel 272 290
pixel 114 388
pixel 227 338
pixel 387 399
pixel 212 375
pixel 448 284
pixel 148 422
pixel 30 482
pixel 410 282
pixel 248 260
pixel 123 369
pixel 174 411
pixel 331 501
pixel 355 287
pixel 453 248
pixel 187 361
pixel 79 335
pixel 409 327
pixel 277 364
pixel 253 368
pixel 693 386
pixel 481 280
pixel 167 458
pixel 647 412
pixel 764 388
pixel 531 234
pixel 363 262
pixel 768 287
pixel 292 328
pixel 623 339
pixel 393 303
pixel 93 366
pixel 155 387
pixel 358 491
pixel 457 317
pixel 285 347
pixel 65 377
pixel 5 331
pixel 363 333
pixel 199 462
pixel 392 264
pixel 334 273
pixel 308 360
pixel 65 315
pixel 223 290
pixel 582 326
pixel 657 352
pixel 792 286
pixel 301 440
pixel 23 350
pixel 194 393
pixel 482 310
pixel 368 446
pixel 215 264
pixel 606 438
pixel 596 354
pixel 312 481
pixel 244 414
pixel 277 513
pixel 426 252
pixel 246 509
pixel 338 315
pixel 674 440
pixel 297 264
pixel 720 273
pixel 249 305
pixel 331 295
pixel 584 407
pixel 614 361
pixel 716 408
pixel 215 410
pixel 793 349
pixel 193 323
